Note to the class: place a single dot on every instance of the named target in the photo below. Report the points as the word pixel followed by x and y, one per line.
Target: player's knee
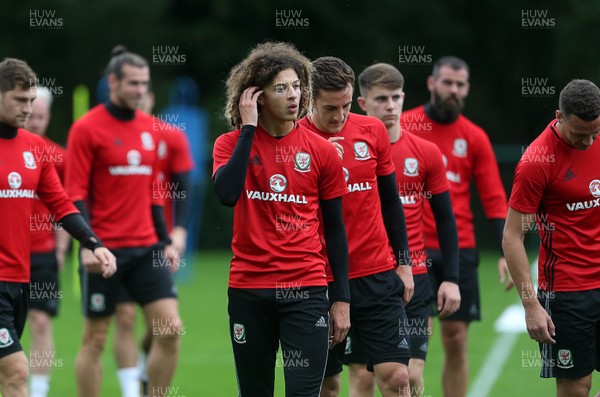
pixel 125 320
pixel 455 337
pixel 361 378
pixel 331 386
pixel 39 323
pixel 394 376
pixel 415 374
pixel 94 341
pixel 14 377
pixel 574 387
pixel 167 331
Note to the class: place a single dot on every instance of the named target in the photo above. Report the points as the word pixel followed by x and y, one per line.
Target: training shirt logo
pixel 147 141
pixel 361 151
pixel 302 163
pixel 239 333
pixel 595 188
pixel 29 160
pixel 583 205
pixel 5 338
pixel 460 148
pixel 162 150
pixel 411 167
pixel 346 174
pixel 278 183
pixel 14 180
pixel 134 159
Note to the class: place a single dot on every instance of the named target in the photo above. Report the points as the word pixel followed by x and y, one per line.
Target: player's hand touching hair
pixel 249 106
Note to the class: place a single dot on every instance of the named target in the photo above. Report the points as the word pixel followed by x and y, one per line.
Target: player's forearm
pixel 230 179
pixel 393 218
pixel 77 227
pixel 181 182
pixel 336 243
pixel 160 225
pixel 62 241
pixel 497 226
pixel 447 233
pixel 518 265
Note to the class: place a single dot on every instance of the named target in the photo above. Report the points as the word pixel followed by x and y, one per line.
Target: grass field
pixel 206 363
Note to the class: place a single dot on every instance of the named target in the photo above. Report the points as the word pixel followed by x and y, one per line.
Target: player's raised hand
pixel 448 299
pixel 338 147
pixel 248 105
pixel 339 322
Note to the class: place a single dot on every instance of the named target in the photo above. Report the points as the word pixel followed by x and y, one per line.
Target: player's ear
pixel 361 102
pixel 260 100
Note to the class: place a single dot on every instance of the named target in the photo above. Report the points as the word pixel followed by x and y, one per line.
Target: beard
pixel 448 109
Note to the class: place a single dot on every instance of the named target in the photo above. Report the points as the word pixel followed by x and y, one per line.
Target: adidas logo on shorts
pixel 403 344
pixel 321 322
pixel 424 347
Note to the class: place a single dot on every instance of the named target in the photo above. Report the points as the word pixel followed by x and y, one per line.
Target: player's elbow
pixel 228 199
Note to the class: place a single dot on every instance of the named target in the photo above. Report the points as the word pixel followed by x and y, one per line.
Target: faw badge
pixel 147 141
pixel 595 188
pixel 361 151
pixel 411 167
pixel 460 148
pixel 565 359
pixel 239 333
pixel 29 160
pixel 302 162
pixel 5 338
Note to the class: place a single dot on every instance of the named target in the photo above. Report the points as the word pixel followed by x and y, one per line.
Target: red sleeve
pixel 332 183
pixel 180 156
pixel 80 151
pixel 52 194
pixel 385 164
pixel 528 187
pixel 436 181
pixel 487 178
pixel 222 151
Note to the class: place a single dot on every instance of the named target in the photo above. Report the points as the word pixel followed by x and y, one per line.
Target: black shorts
pixel 468 283
pixel 415 326
pixel 13 313
pixel 261 319
pixel 376 314
pixel 44 290
pixel 576 316
pixel 140 270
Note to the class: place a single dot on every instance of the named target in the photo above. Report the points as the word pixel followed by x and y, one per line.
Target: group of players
pixel 382 207
pixel 118 169
pixel 355 236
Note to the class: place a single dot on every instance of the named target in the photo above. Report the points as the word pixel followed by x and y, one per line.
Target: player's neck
pixel 7 131
pixel 119 112
pixel 395 133
pixel 276 128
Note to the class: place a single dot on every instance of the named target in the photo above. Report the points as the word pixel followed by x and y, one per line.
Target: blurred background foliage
pixel 491 36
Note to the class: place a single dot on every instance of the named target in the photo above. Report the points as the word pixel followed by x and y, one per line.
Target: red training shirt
pixel 110 167
pixel 561 185
pixel 367 155
pixel 275 221
pixel 21 177
pixel 420 174
pixel 467 154
pixel 42 222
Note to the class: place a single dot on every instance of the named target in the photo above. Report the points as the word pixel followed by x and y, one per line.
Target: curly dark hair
pixel 581 98
pixel 259 68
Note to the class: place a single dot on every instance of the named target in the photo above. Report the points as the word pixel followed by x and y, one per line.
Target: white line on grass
pixel 510 323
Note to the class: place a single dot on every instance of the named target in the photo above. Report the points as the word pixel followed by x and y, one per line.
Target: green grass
pixel 206 362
